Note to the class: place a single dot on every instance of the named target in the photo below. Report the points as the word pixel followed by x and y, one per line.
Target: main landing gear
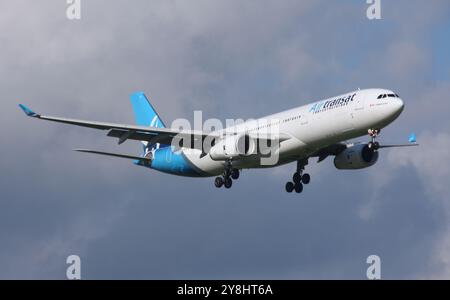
pixel 229 173
pixel 299 178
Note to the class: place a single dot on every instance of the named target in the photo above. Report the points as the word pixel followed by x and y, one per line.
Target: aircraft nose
pixel 399 105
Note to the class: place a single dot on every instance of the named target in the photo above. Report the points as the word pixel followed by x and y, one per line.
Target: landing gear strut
pixel 373 144
pixel 229 173
pixel 299 178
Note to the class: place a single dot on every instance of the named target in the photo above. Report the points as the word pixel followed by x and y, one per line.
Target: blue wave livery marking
pixel 174 162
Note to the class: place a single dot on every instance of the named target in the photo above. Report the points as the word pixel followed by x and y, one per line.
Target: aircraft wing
pixel 333 149
pixel 129 132
pixel 152 135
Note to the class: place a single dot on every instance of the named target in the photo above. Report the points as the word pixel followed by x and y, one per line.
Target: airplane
pixel 316 130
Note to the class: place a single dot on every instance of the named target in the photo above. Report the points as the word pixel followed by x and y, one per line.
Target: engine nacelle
pixel 233 146
pixel 357 156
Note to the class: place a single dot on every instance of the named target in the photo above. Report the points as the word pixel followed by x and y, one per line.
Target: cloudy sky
pixel 230 59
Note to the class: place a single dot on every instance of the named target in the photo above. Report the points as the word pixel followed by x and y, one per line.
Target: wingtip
pixel 28 111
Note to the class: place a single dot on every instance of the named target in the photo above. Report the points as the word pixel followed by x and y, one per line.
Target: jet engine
pixel 356 156
pixel 233 146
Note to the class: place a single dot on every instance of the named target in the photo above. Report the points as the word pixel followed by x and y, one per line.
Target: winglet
pixel 28 111
pixel 412 138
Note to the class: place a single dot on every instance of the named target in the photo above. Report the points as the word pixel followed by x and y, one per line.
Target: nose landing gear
pixel 229 173
pixel 299 178
pixel 373 144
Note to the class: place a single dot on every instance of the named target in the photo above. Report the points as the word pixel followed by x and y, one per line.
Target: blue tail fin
pixel 144 113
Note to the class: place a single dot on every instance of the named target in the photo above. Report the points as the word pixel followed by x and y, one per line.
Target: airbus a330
pixel 319 130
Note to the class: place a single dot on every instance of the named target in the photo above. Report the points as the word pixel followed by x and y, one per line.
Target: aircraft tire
pixel 289 187
pixel 235 174
pixel 297 178
pixel 306 178
pixel 228 183
pixel 298 188
pixel 218 182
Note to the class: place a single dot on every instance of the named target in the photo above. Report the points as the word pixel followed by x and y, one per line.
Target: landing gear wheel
pixel 289 187
pixel 298 188
pixel 235 174
pixel 297 178
pixel 228 183
pixel 373 145
pixel 218 182
pixel 306 178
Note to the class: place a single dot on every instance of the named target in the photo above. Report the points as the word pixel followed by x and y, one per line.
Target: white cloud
pixel 430 161
pixel 405 58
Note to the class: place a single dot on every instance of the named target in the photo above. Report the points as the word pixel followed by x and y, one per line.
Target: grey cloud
pixel 230 59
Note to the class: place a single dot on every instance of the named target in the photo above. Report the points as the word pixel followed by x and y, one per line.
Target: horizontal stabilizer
pixel 396 146
pixel 411 139
pixel 143 159
pixel 28 111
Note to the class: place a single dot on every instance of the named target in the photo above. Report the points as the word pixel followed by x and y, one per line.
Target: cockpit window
pixel 388 95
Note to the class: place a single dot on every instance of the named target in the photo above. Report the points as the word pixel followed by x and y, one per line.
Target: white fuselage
pixel 312 127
